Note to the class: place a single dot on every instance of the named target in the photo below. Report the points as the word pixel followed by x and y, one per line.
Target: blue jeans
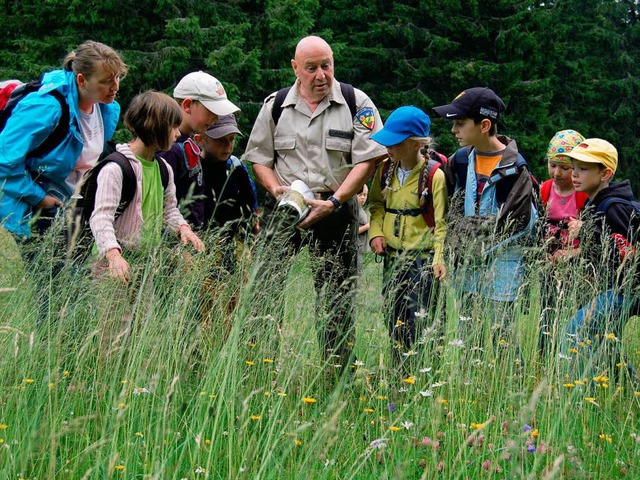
pixel 594 333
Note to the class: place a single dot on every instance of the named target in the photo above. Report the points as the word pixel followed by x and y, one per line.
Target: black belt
pixel 407 212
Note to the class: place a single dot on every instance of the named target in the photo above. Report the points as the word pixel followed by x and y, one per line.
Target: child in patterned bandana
pixel 562 203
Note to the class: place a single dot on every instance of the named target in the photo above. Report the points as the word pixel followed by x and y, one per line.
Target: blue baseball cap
pixel 404 122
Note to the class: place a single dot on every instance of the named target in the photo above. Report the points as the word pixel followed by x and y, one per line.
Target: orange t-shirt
pixel 485 163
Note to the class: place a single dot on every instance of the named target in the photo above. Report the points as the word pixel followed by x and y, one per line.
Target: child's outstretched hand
pixel 188 236
pixel 118 266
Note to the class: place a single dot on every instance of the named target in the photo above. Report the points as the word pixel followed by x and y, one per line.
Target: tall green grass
pixel 129 382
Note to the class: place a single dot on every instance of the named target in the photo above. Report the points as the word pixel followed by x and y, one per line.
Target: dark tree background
pixel 557 64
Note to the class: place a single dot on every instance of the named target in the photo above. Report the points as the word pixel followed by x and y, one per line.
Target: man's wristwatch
pixel 336 204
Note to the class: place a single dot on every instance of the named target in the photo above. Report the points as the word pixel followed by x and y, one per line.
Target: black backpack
pixel 86 200
pixel 56 137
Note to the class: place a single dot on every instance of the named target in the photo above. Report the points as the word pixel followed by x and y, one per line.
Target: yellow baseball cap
pixel 596 150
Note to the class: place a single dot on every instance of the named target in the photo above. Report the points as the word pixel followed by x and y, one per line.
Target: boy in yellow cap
pixel 606 230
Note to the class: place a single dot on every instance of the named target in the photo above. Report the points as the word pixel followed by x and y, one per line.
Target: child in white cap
pixel 203 100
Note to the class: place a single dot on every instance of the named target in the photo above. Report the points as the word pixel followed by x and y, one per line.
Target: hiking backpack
pixel 14 92
pixel 461 164
pixel 425 186
pixel 86 200
pixel 626 244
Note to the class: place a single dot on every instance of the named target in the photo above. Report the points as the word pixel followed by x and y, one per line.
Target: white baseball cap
pixel 207 90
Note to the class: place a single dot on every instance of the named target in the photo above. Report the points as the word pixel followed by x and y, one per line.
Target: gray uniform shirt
pixel 315 147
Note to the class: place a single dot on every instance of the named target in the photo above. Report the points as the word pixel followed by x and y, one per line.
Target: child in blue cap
pixel 408 205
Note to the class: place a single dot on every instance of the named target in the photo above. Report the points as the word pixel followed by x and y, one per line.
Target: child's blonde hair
pixel 427 146
pixel 151 116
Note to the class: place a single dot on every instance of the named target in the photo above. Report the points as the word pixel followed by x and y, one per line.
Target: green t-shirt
pixel 152 202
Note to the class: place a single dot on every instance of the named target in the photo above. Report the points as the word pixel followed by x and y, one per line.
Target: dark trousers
pixel 410 294
pixel 333 253
pixel 43 255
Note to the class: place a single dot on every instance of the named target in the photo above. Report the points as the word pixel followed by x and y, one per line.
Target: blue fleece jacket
pixel 33 119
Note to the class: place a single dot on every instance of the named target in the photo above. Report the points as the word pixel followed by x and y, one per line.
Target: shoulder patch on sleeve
pixel 366 117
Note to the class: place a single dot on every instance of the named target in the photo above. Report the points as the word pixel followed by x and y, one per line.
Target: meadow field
pixel 130 383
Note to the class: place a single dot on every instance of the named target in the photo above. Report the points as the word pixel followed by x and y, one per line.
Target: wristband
pixel 336 204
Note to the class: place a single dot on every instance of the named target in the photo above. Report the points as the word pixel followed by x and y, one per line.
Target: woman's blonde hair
pixel 151 116
pixel 88 56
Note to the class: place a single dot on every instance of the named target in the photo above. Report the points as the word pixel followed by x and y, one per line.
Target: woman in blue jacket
pixel 31 183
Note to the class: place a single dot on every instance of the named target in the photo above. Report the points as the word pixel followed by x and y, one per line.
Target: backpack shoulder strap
pixel 129 183
pixel 349 95
pixel 386 173
pixel 425 190
pixel 276 111
pixel 545 192
pixel 56 137
pixel 607 202
pixel 460 164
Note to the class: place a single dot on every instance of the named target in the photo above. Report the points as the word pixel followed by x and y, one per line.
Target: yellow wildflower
pixel 569 385
pixel 411 380
pixel 573 350
pixel 255 417
pixel 309 400
pixel 267 360
pixel 28 380
pixel 368 410
pixel 535 433
pixel 393 428
pixel 249 362
pixel 298 442
pixel 3 426
pixel 120 467
pixel 282 394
